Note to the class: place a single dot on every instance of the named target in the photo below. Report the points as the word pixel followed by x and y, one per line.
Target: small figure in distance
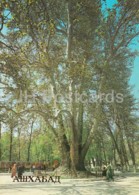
pixel 20 170
pixel 14 170
pixel 109 172
pixel 104 171
pixel 33 168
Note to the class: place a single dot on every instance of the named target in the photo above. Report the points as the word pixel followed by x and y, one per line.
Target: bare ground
pixel 123 185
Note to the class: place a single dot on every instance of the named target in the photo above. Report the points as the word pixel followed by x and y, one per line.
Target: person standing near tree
pixel 109 172
pixel 14 170
pixel 20 170
pixel 104 171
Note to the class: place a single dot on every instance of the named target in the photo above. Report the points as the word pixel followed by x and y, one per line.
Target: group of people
pixel 17 170
pixel 107 172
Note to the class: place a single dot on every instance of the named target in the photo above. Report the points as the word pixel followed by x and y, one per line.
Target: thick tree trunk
pixel 65 152
pixel 80 166
pixel 74 150
pixel 77 159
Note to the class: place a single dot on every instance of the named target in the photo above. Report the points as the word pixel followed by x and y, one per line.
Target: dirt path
pixel 121 186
